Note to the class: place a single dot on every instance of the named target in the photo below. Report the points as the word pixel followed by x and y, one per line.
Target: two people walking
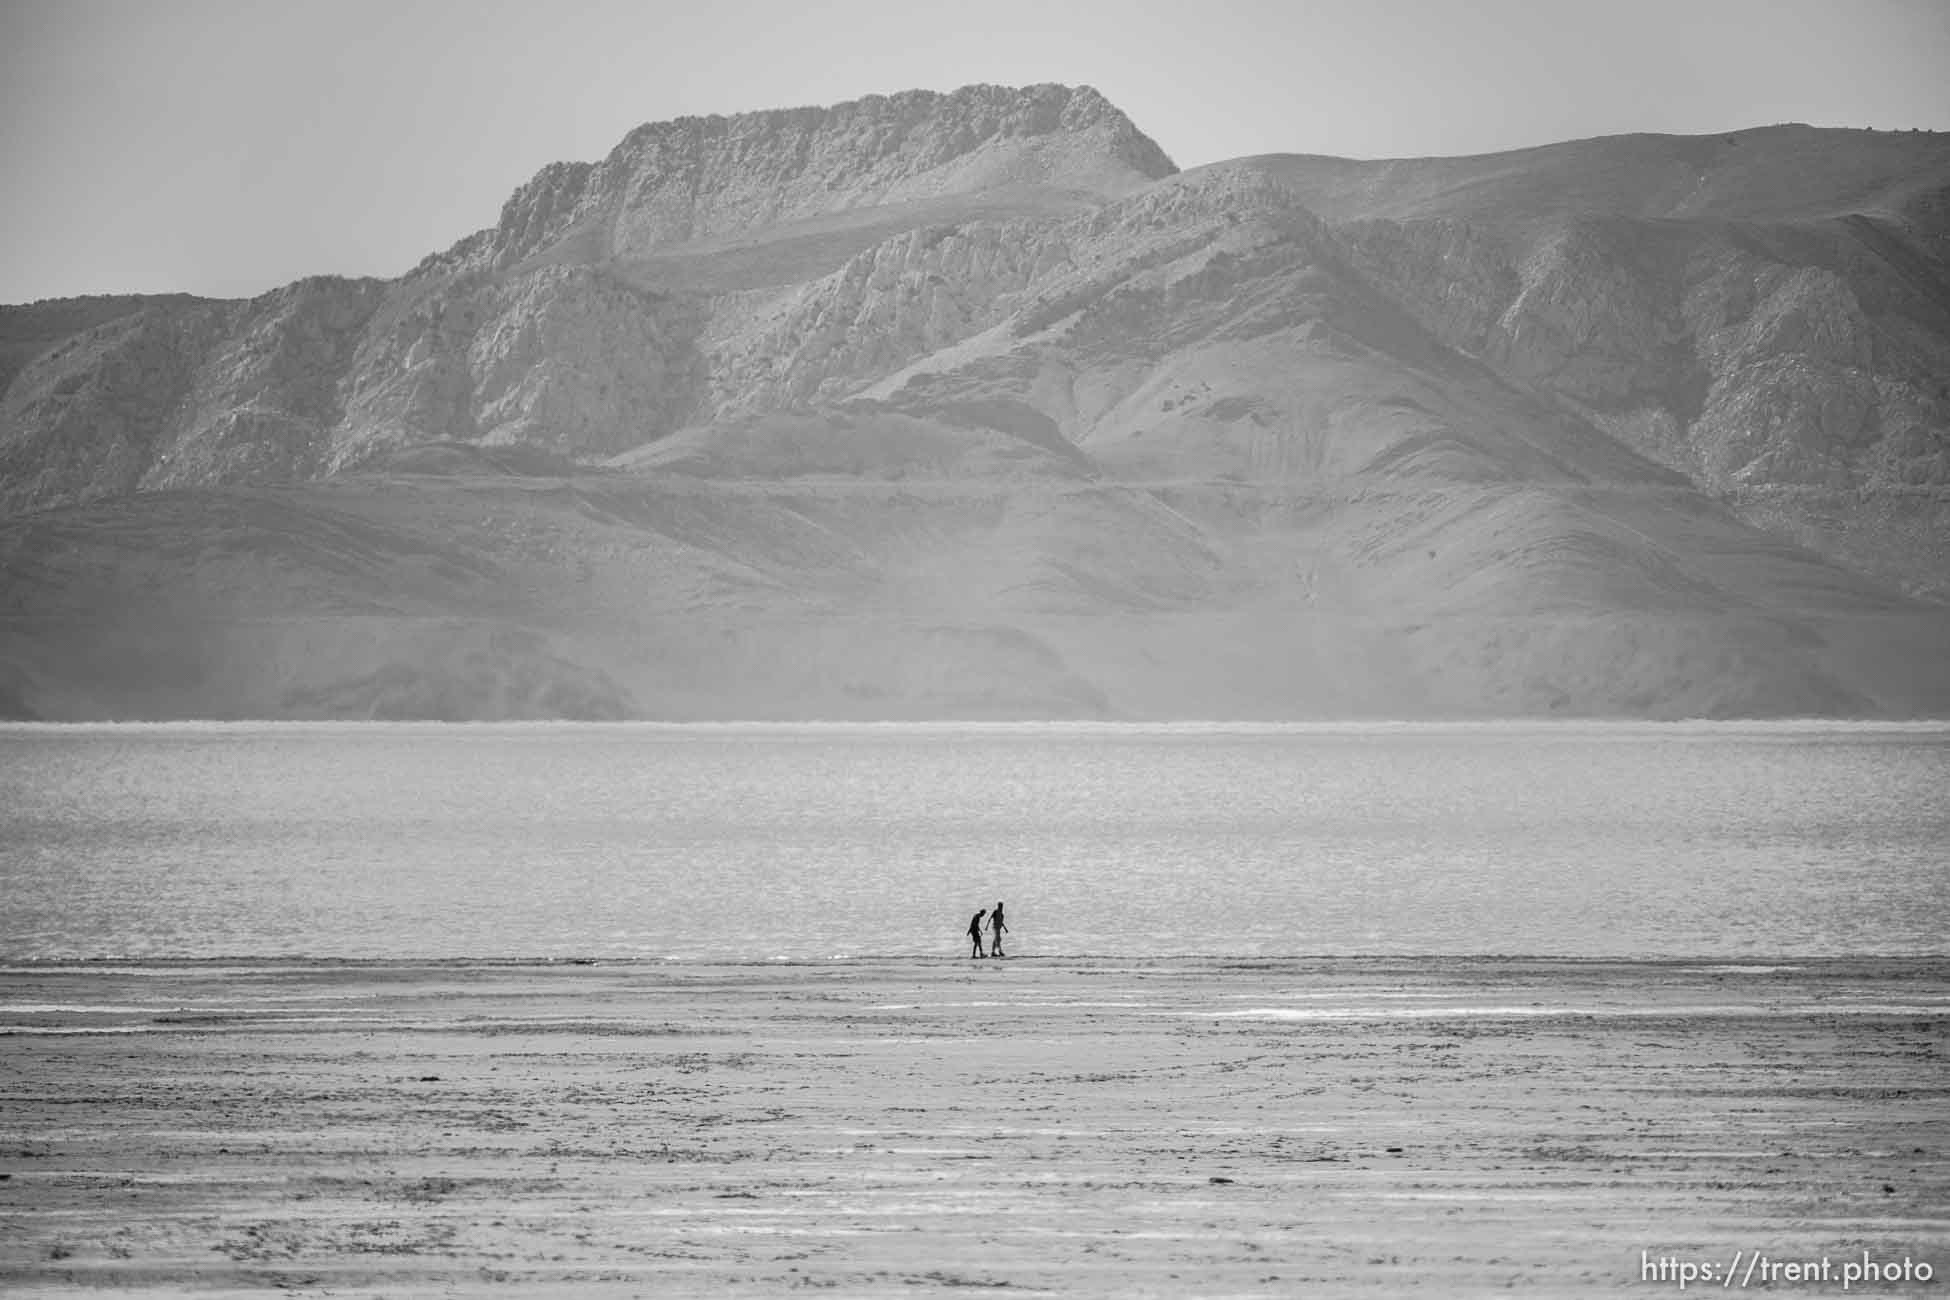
pixel 996 928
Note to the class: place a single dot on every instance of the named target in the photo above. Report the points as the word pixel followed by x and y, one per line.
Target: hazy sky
pixel 224 147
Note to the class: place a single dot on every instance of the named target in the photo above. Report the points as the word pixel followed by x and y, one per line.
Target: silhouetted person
pixel 975 933
pixel 996 930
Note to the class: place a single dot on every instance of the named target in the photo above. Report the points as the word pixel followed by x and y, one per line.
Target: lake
pixel 756 842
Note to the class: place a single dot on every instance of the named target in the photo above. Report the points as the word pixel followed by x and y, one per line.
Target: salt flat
pixel 1088 1126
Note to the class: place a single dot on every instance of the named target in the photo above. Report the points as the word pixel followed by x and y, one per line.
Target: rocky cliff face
pixel 1463 435
pixel 1740 358
pixel 185 394
pixel 1793 370
pixel 567 358
pixel 675 182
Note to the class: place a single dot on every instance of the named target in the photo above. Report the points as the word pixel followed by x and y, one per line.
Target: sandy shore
pixel 1068 1127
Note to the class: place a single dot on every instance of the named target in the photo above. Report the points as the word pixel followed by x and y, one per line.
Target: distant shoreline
pixel 1187 962
pixel 1078 726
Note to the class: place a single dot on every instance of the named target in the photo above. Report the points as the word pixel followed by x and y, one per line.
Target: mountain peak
pixel 1021 110
pixel 690 178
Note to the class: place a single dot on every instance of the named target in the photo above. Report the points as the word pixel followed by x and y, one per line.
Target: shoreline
pixel 1052 1126
pixel 1765 723
pixel 1761 727
pixel 1429 962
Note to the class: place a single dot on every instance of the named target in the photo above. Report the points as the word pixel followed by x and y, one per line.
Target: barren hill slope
pixel 1787 173
pixel 484 595
pixel 1776 327
pixel 1767 311
pixel 969 405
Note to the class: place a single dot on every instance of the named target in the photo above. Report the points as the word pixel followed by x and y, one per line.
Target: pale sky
pixel 225 147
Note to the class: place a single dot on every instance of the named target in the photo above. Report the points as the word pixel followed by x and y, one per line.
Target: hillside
pixel 1775 174
pixel 972 405
pixel 1766 311
pixel 476 594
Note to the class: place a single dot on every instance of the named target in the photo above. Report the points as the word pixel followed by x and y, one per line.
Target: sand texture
pixel 912 1126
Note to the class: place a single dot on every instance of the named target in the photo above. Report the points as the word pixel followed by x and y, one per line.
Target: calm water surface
pixel 756 843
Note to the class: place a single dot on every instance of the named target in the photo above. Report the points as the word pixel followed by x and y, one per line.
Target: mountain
pixel 972 404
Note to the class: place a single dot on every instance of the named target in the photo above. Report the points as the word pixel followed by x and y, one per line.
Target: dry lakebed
pixel 1030 1126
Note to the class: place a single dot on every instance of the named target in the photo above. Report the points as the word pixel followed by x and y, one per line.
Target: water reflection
pixel 755 842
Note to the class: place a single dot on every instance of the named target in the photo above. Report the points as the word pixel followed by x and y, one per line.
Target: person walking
pixel 996 931
pixel 975 933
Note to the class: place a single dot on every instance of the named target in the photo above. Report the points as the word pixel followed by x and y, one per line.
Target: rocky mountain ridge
pixel 536 330
pixel 696 177
pixel 1560 430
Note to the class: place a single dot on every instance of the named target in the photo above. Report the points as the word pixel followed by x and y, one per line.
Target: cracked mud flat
pixel 1031 1126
